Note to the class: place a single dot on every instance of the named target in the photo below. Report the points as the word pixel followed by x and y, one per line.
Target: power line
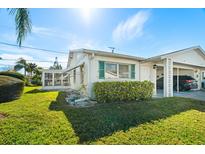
pixel 40 49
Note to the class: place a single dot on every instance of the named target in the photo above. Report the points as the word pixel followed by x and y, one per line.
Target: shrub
pixel 10 88
pixel 36 80
pixel 123 91
pixel 13 74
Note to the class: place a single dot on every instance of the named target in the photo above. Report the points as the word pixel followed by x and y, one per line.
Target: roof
pixel 105 53
pixel 155 58
pixel 174 52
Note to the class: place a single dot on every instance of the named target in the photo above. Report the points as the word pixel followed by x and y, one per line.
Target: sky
pixel 138 32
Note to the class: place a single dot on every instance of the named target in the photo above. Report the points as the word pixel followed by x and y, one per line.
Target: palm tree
pixel 21 64
pixel 31 68
pixel 23 23
pixel 37 71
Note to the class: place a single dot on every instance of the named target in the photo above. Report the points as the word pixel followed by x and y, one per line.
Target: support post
pixel 52 79
pixel 177 80
pixel 154 79
pixel 43 79
pixel 61 79
pixel 168 77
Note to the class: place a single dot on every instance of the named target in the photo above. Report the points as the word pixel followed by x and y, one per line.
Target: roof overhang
pixel 167 55
pixel 107 54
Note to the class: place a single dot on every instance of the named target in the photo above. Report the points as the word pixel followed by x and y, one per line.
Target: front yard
pixel 44 118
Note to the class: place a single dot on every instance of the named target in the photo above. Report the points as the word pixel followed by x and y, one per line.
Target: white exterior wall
pixel 78 58
pixel 93 68
pixel 190 57
pixel 147 72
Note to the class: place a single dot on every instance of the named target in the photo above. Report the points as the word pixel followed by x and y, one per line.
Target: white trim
pixel 168 77
pixel 177 80
pixel 118 75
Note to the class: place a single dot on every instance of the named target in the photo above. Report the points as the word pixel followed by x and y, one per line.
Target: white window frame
pixel 129 70
pixel 118 76
pixel 117 69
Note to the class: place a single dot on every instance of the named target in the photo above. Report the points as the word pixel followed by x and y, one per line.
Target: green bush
pixel 36 80
pixel 13 74
pixel 123 91
pixel 10 88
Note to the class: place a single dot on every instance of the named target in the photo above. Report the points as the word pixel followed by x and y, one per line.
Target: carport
pixel 177 72
pixel 190 61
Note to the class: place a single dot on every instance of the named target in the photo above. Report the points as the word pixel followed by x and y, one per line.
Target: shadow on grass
pixel 36 91
pixel 101 120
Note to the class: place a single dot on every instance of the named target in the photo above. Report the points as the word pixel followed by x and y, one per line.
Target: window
pixel 111 71
pixel 48 79
pixel 123 71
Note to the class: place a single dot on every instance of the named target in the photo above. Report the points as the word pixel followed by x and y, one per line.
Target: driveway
pixel 196 94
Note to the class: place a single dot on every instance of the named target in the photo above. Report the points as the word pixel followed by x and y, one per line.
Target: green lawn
pixel 44 118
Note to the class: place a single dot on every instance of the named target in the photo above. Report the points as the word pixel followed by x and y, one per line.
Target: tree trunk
pixel 24 72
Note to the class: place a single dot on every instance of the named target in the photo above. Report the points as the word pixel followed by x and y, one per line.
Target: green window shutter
pixel 132 73
pixel 101 70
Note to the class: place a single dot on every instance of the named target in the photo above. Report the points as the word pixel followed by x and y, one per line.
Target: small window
pixel 123 71
pixel 111 71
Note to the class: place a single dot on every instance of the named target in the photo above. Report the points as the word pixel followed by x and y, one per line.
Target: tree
pixel 23 23
pixel 31 67
pixel 21 64
pixel 36 79
pixel 56 65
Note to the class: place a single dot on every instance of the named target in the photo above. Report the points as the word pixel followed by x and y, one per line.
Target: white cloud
pixel 9 52
pixel 50 32
pixel 131 28
pixel 76 42
pixel 16 56
pixel 42 30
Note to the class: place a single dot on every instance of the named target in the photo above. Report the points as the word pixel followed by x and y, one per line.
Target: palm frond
pixel 18 67
pixel 23 23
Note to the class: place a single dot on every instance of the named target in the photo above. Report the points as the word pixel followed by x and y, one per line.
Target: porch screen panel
pixel 57 79
pixel 48 79
pixel 101 70
pixel 132 73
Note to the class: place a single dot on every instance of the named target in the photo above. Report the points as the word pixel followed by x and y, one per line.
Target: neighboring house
pixel 86 67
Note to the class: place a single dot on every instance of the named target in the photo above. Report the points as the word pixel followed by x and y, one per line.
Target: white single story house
pixel 86 67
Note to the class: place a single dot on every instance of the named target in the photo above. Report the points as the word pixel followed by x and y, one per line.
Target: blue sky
pixel 138 32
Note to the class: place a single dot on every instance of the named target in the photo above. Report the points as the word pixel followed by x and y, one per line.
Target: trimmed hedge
pixel 123 91
pixel 13 74
pixel 10 88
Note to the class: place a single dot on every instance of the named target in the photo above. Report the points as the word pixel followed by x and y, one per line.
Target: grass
pixel 44 118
